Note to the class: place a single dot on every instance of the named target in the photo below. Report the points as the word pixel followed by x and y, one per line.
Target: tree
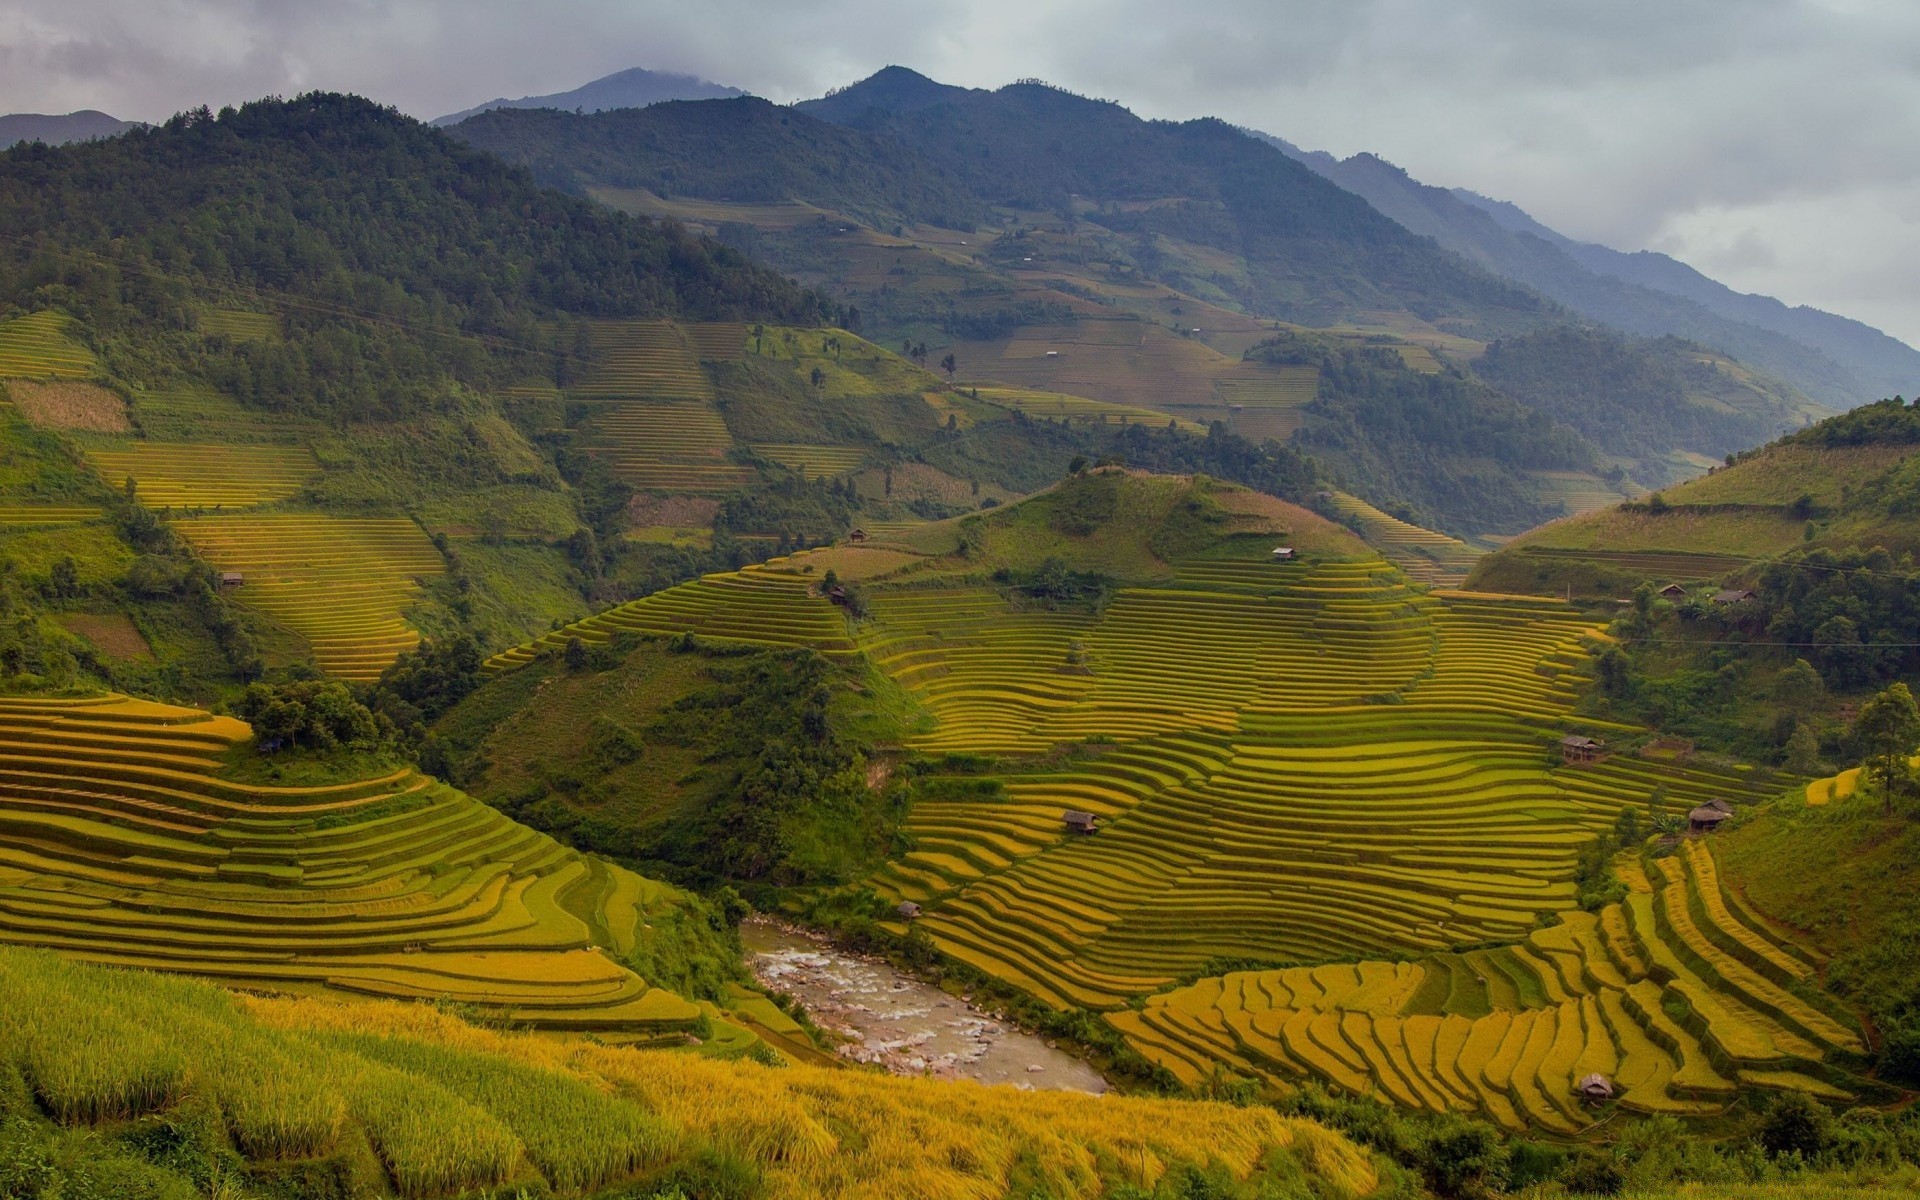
pixel 65 578
pixel 818 377
pixel 1799 688
pixel 1887 731
pixel 576 654
pixel 949 364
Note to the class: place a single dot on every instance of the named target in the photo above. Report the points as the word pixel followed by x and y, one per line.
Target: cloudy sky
pixel 1767 142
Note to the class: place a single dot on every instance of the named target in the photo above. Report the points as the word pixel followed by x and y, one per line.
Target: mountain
pixel 1315 251
pixel 81 126
pixel 1882 361
pixel 635 87
pixel 745 150
pixel 892 89
pixel 1836 361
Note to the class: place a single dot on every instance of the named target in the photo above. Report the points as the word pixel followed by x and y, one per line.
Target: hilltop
pixel 1843 484
pixel 85 125
pixel 635 87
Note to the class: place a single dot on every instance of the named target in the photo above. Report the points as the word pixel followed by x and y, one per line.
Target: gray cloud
pixel 1764 140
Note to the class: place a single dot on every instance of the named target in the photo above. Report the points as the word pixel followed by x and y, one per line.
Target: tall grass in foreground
pixel 450 1108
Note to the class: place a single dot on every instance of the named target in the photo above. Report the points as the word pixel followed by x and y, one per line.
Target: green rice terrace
pixel 123 842
pixel 1292 762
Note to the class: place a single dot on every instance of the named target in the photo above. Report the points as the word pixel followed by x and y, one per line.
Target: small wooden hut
pixel 1595 1087
pixel 1708 816
pixel 1577 749
pixel 1079 822
pixel 907 909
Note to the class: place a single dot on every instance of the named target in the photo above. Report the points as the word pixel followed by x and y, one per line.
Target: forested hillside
pixel 1058 246
pixel 405 264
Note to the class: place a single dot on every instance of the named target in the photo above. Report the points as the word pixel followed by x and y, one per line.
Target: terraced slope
pixel 758 605
pixel 121 843
pixel 667 445
pixel 39 346
pixel 239 325
pixel 1427 557
pixel 816 462
pixel 1675 995
pixel 342 583
pixel 1298 831
pixel 47 514
pixel 653 359
pixel 207 476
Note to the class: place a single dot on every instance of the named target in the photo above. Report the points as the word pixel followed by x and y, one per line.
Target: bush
pixel 1796 1124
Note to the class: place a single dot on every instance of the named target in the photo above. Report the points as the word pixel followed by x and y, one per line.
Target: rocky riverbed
pixel 903 1024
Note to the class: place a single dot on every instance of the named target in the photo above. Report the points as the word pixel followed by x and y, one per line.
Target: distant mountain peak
pixel 56 130
pixel 635 87
pixel 891 89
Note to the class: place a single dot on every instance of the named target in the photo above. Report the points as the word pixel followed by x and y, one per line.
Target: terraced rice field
pixel 1301 827
pixel 40 346
pixel 1679 996
pixel 1576 491
pixel 718 341
pixel 757 605
pixel 1305 762
pixel 818 462
pixel 1426 556
pixel 47 514
pixel 1058 406
pixel 206 476
pixel 343 584
pixel 239 325
pixel 120 843
pixel 668 445
pixel 1676 566
pixel 652 359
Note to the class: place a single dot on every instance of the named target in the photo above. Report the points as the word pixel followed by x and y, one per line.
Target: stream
pixel 901 1023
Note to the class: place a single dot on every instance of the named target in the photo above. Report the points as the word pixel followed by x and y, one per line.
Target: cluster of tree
pixel 1427 438
pixel 313 714
pixel 1889 422
pixel 1054 584
pixel 809 511
pixel 785 764
pixel 403 262
pixel 1638 398
pixel 423 683
pixel 1856 613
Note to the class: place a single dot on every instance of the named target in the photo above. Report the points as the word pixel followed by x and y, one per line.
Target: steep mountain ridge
pixel 1835 360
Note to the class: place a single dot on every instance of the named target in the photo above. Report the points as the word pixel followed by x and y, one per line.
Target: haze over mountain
pixel 636 87
pixel 59 130
pixel 1838 361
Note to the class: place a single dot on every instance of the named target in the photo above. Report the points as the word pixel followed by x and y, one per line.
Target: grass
pixel 61 404
pixel 451 1107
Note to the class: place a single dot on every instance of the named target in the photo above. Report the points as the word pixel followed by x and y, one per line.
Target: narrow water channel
pixel 901 1023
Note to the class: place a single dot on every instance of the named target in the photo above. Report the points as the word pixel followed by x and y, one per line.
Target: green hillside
pixel 1818 527
pixel 1144 268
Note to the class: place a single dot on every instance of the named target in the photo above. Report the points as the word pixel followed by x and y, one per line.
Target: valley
pixel 930 641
